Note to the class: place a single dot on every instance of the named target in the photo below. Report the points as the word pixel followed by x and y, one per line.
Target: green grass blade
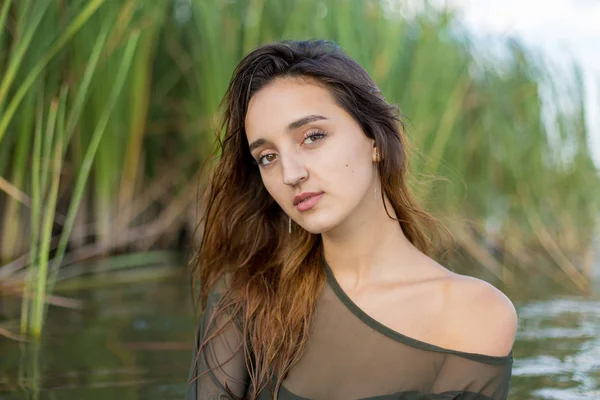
pixel 39 304
pixel 3 16
pixel 83 89
pixel 47 151
pixel 72 28
pixel 35 213
pixel 91 152
pixel 21 48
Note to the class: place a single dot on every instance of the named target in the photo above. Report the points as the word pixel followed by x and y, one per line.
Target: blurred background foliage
pixel 107 111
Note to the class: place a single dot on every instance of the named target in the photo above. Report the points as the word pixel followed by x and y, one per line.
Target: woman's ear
pixel 376 154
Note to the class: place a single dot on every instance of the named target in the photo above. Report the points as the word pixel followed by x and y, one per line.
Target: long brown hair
pixel 273 277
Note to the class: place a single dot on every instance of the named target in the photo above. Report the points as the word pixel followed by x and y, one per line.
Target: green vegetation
pixel 107 109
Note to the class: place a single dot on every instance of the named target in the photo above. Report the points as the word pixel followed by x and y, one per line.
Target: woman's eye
pixel 317 135
pixel 260 159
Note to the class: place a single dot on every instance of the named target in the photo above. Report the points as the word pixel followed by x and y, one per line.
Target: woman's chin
pixel 317 226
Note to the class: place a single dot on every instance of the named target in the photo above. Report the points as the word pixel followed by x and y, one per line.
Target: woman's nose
pixel 293 171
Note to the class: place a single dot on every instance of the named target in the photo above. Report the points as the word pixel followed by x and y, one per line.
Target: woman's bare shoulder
pixel 479 318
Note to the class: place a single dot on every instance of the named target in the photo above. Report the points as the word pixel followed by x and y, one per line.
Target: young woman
pixel 315 269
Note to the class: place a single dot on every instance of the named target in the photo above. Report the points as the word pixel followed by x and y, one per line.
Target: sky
pixel 562 29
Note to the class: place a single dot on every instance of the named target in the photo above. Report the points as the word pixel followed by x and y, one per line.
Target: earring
pixel 375 183
pixel 290 224
pixel 375 191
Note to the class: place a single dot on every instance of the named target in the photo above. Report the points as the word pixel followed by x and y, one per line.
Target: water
pixel 134 342
pixel 558 350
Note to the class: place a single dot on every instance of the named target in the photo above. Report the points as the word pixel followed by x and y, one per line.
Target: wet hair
pixel 273 278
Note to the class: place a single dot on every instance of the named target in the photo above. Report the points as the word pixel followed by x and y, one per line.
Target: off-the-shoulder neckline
pixel 373 323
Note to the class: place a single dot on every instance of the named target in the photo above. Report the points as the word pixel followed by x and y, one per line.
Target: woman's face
pixel 304 142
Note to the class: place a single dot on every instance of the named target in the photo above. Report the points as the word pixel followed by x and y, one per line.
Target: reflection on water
pixel 134 342
pixel 131 342
pixel 558 350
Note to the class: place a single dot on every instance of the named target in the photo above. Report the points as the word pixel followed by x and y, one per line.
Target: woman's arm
pixel 220 364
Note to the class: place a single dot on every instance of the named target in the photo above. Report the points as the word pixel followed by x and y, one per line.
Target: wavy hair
pixel 274 278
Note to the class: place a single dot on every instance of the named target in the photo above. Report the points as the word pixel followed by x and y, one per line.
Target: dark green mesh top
pixel 350 355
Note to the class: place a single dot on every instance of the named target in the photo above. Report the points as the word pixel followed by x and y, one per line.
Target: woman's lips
pixel 309 203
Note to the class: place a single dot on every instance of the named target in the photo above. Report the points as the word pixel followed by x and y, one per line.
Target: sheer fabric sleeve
pixel 477 378
pixel 224 351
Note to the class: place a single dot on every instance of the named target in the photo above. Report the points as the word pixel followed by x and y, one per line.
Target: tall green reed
pixel 49 151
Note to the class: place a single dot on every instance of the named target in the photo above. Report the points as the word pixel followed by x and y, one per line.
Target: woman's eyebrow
pixel 303 121
pixel 291 127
